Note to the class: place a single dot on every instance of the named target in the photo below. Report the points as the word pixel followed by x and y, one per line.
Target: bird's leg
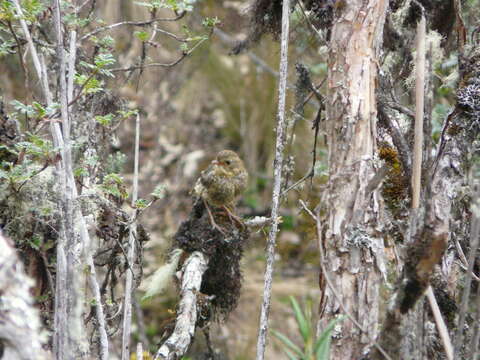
pixel 211 352
pixel 212 220
pixel 233 217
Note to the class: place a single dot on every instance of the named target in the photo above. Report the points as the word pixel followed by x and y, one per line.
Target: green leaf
pixel 113 185
pixel 91 85
pixel 79 172
pixel 287 342
pixel 303 324
pixel 211 22
pixel 104 120
pixel 124 114
pixel 322 345
pixel 184 47
pixel 35 242
pixel 141 35
pixel 141 204
pixel 40 110
pixel 159 191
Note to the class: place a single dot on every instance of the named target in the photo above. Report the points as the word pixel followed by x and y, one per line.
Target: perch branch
pixel 277 182
pixel 177 344
pixel 257 221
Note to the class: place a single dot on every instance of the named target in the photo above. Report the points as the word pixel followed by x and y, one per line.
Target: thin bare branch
pixel 474 244
pixel 135 23
pixel 277 182
pixel 183 56
pixel 442 328
pixel 71 64
pixel 127 305
pixel 310 24
pixel 419 110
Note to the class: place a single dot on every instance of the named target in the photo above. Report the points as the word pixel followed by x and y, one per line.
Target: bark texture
pixel 179 341
pixel 352 240
pixel 20 331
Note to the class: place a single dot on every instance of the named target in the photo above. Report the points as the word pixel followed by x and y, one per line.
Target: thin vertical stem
pixel 419 112
pixel 281 124
pixel 417 170
pixel 127 309
pixel 474 243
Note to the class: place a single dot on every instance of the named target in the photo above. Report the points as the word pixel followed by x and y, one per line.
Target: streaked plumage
pixel 224 180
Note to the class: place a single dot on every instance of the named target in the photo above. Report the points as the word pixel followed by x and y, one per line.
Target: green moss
pixel 395 186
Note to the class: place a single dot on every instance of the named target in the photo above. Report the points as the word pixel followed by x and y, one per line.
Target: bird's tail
pixel 162 278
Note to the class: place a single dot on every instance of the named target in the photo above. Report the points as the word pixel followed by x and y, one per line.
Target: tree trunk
pixel 352 240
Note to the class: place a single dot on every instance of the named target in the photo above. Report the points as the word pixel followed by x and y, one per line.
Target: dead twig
pixel 279 147
pixel 135 23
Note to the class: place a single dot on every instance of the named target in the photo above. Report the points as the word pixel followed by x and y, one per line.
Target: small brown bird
pixel 222 182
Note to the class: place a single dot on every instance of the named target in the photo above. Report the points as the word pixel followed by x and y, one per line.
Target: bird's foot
pixel 234 218
pixel 212 220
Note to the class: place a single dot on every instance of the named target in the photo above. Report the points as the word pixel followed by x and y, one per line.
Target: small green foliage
pixel 46 211
pixel 159 191
pixel 174 5
pixel 22 108
pixel 104 120
pixel 184 47
pixel 91 84
pixel 80 172
pixel 31 9
pixel 16 174
pixel 35 242
pixel 103 60
pixel 7 10
pixel 141 35
pixel 141 204
pixel 115 162
pixel 313 349
pixel 113 185
pixel 211 22
pixel 42 298
pixel 38 148
pixel 106 42
pixel 125 114
pixel 34 111
pixel 71 19
pixel 6 47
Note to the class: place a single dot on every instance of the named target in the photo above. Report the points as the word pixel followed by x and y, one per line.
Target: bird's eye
pixel 228 162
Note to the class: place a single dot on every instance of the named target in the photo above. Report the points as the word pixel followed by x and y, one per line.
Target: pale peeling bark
pixel 353 241
pixel 20 330
pixel 178 343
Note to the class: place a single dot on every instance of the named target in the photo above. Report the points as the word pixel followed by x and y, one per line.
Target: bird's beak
pixel 215 162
